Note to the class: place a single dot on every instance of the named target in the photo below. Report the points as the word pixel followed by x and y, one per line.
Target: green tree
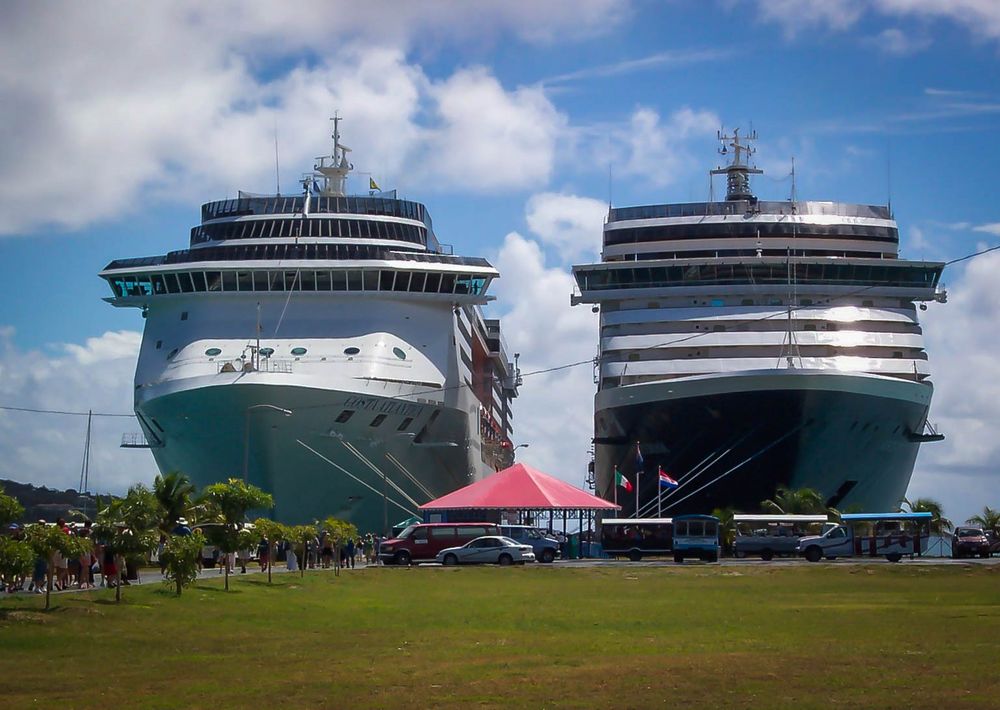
pixel 274 532
pixel 803 501
pixel 16 560
pixel 939 524
pixel 229 504
pixel 10 509
pixel 46 541
pixel 174 492
pixel 727 528
pixel 128 527
pixel 340 531
pixel 989 519
pixel 181 558
pixel 302 534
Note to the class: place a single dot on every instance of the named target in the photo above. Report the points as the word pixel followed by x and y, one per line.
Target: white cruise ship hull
pixel 731 439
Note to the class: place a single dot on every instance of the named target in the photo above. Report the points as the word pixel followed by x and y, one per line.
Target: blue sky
pixel 511 121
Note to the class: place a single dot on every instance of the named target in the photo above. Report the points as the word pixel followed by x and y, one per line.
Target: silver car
pixel 489 549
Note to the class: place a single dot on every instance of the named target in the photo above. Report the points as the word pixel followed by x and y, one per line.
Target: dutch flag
pixel 666 481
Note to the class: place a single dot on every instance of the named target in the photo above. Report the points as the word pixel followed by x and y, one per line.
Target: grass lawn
pixel 547 636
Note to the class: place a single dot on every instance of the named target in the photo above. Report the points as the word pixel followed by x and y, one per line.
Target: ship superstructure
pixel 324 346
pixel 746 344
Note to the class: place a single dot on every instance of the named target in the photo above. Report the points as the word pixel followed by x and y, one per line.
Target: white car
pixel 489 549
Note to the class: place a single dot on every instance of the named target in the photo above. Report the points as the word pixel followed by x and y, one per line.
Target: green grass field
pixel 754 636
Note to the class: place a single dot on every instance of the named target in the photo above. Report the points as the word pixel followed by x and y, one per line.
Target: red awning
pixel 519 487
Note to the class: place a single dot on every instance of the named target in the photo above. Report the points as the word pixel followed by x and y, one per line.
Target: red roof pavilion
pixel 519 487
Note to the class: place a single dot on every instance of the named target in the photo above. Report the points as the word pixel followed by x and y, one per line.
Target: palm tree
pixel 174 492
pixel 939 524
pixel 803 501
pixel 989 519
pixel 727 528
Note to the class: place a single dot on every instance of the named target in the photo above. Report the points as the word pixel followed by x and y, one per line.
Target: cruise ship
pixel 324 347
pixel 747 344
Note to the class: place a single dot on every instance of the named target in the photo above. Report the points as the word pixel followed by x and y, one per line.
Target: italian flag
pixel 620 480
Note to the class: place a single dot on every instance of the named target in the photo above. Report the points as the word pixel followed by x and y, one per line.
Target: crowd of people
pixel 94 568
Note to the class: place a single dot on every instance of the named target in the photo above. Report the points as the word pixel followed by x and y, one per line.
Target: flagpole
pixel 637 472
pixel 659 498
pixel 614 482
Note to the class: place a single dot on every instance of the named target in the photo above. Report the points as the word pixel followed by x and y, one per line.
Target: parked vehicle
pixel 637 537
pixel 994 542
pixel 696 536
pixel 969 542
pixel 546 548
pixel 422 541
pixel 892 535
pixel 490 549
pixel 770 535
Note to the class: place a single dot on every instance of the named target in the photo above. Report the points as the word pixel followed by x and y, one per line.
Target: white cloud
pixel 796 16
pixel 992 228
pixel 656 150
pixel 178 100
pixel 489 138
pixel 47 449
pixel 554 412
pixel 573 225
pixel 898 43
pixel 980 17
pixel 961 342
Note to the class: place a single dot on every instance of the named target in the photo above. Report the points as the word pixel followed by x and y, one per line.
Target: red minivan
pixel 421 542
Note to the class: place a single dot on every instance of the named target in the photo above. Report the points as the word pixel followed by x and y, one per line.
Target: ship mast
pixel 738 171
pixel 330 172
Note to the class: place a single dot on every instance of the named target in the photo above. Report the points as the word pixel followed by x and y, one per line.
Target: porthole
pixel 351 350
pixel 267 352
pixel 298 351
pixel 171 354
pixel 212 352
pixel 398 352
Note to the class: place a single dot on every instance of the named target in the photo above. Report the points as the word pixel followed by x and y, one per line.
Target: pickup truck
pixel 891 540
pixel 770 536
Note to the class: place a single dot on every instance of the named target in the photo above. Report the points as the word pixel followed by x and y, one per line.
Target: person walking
pixel 351 551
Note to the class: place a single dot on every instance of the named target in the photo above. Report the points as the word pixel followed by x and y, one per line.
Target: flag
pixel 666 481
pixel 639 463
pixel 620 480
pixel 372 185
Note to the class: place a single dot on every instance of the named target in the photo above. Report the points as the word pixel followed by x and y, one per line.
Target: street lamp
pixel 246 432
pixel 519 446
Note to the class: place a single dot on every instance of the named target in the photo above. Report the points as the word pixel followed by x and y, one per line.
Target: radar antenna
pixel 330 171
pixel 738 171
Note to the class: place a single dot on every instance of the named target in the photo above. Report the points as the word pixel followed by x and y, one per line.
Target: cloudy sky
pixel 515 122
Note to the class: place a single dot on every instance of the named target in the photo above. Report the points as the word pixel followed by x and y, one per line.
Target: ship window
pixel 338 280
pixel 831 326
pixel 402 281
pixel 184 315
pixel 277 280
pixel 404 424
pixel 417 281
pixel 746 302
pixel 308 279
pixel 632 357
pixel 171 354
pixel 212 352
pixel 351 350
pixel 370 280
pixel 377 420
pixel 158 285
pixel 299 351
pixel 719 328
pixel 398 352
pixel 447 283
pixel 198 278
pixel 214 280
pixel 354 281
pixel 259 280
pixel 292 280
pixel 387 279
pixel 244 281
pixel 322 280
pixel 344 416
pixel 184 279
pixel 159 344
pixel 266 352
pixel 897 354
pixel 867 304
pixel 228 281
pixel 433 283
pixel 717 302
pixel 810 326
